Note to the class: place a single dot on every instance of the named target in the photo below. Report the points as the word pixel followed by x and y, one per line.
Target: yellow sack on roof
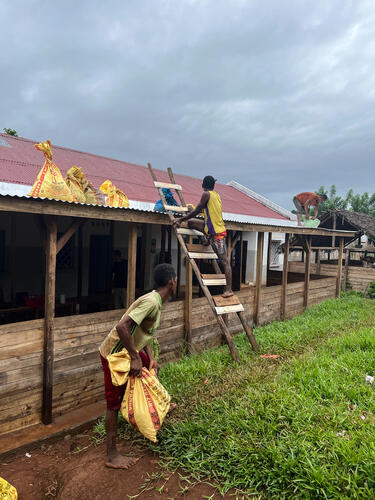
pixel 115 197
pixel 75 179
pixel 7 491
pixel 146 402
pixel 50 182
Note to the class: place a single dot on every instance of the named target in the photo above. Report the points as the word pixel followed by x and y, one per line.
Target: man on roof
pixel 212 226
pixel 303 202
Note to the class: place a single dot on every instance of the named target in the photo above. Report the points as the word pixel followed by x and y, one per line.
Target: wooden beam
pixel 339 268
pixel 55 207
pixel 49 315
pixel 178 290
pixel 63 240
pixel 169 228
pixel 258 283
pixel 284 282
pixel 248 331
pixel 307 271
pixel 162 245
pixel 241 256
pixel 188 303
pixel 132 263
pixel 347 259
pixel 80 265
pixel 334 227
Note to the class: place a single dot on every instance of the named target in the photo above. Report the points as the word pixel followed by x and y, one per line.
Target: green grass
pixel 302 426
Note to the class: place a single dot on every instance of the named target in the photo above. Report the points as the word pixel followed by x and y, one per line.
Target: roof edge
pixel 262 199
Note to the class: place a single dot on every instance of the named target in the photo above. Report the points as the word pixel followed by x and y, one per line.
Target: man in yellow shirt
pixel 134 332
pixel 212 226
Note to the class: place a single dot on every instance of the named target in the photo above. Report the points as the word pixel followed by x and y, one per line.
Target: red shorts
pixel 113 393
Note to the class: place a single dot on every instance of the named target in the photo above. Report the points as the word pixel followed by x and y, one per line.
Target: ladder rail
pixel 222 323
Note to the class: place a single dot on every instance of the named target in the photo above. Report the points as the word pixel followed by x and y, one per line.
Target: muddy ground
pixel 73 468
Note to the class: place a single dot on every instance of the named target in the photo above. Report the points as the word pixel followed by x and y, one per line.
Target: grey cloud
pixel 277 95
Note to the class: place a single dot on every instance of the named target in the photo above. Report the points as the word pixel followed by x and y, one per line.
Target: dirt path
pixel 73 469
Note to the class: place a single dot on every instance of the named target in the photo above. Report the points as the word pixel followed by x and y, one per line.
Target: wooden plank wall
pixel 358 277
pixel 78 377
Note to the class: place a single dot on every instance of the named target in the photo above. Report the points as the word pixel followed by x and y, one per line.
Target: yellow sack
pixel 50 182
pixel 75 179
pixel 93 196
pixel 146 402
pixel 7 491
pixel 115 197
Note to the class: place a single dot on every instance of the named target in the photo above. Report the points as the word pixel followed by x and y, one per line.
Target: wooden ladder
pixel 220 306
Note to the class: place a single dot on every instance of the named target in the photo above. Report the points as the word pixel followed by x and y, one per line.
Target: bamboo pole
pixel 284 282
pixel 307 271
pixel 49 315
pixel 258 284
pixel 132 263
pixel 339 268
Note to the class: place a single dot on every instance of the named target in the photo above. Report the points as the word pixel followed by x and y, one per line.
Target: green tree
pixel 333 200
pixel 10 131
pixel 363 203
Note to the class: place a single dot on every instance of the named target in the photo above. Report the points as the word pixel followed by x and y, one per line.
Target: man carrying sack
pixel 134 331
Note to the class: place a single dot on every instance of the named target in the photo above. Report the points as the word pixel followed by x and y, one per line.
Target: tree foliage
pixel 363 203
pixel 10 131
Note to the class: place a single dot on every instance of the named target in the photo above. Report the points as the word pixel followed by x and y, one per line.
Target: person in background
pixel 212 226
pixel 119 280
pixel 303 202
pixel 134 332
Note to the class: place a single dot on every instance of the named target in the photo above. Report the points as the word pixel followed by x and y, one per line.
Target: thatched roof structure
pixel 352 221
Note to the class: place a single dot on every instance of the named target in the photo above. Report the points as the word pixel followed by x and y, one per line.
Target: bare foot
pixel 227 294
pixel 121 462
pixel 205 240
pixel 172 407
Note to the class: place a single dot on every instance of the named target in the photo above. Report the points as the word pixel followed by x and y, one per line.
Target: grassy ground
pixel 301 426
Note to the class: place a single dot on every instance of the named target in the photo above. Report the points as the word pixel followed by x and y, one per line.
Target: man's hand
pixel 153 365
pixel 136 366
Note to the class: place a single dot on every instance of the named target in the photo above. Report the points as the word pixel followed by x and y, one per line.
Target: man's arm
pixel 124 329
pixel 198 209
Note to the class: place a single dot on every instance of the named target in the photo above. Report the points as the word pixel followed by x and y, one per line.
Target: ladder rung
pixel 167 185
pixel 197 247
pixel 214 282
pixel 229 309
pixel 172 208
pixel 213 279
pixel 203 255
pixel 190 232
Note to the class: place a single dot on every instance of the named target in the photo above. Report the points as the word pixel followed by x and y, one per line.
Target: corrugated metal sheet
pixel 21 163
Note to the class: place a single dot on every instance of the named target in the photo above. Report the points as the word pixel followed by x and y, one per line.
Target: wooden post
pixel 318 266
pixel 178 291
pixel 258 283
pixel 169 229
pixel 162 245
pixel 49 314
pixel 269 253
pixel 307 271
pixel 339 268
pixel 132 263
pixel 188 303
pixel 241 257
pixel 347 258
pixel 334 227
pixel 13 247
pixel 79 270
pixel 284 281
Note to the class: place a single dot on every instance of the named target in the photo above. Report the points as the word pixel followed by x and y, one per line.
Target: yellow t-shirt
pixel 213 215
pixel 145 312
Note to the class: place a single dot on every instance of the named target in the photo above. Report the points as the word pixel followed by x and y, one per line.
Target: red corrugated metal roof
pixel 21 162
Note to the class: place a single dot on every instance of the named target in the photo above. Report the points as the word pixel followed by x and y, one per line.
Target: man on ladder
pixel 212 226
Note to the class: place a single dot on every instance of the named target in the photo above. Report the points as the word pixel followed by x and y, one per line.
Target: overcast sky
pixel 276 94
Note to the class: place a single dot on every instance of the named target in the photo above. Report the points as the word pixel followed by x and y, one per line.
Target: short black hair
pixel 208 182
pixel 163 273
pixel 117 253
pixel 324 197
